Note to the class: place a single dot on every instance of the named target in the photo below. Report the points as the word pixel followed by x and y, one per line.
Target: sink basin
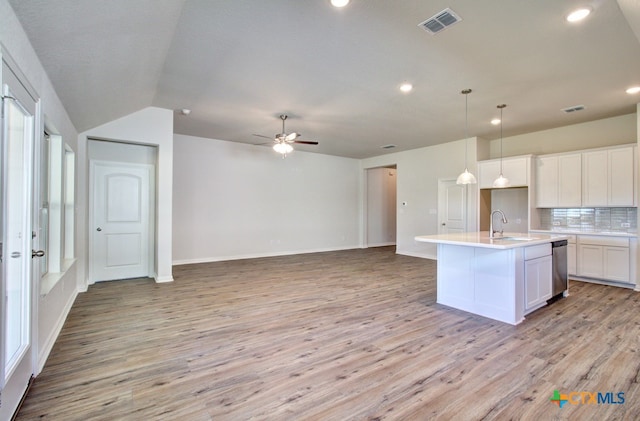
pixel 514 238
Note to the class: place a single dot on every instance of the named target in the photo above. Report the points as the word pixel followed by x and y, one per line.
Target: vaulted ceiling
pixel 238 65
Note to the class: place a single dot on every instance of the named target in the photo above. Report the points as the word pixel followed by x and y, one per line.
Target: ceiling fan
pixel 282 141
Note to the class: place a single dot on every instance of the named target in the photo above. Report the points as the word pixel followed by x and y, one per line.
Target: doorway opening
pixel 381 210
pixel 122 210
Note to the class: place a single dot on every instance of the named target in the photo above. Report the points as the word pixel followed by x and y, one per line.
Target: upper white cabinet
pixel 516 169
pixel 608 177
pixel 559 181
pixel 622 163
pixel 592 178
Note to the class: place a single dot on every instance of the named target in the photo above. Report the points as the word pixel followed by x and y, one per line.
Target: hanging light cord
pixel 501 107
pixel 466 93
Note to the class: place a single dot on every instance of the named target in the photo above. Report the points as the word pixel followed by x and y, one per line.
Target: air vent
pixel 440 21
pixel 573 109
pixel 390 146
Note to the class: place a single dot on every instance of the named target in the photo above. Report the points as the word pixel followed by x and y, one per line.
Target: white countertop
pixel 481 239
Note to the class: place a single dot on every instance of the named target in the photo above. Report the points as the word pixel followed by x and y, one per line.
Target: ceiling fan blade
pixel 306 142
pixel 291 136
pixel 260 135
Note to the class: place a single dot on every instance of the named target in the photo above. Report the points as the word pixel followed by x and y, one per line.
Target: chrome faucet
pixel 504 221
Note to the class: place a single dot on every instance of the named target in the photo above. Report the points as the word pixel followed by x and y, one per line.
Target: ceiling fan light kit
pixel 283 148
pixel 282 141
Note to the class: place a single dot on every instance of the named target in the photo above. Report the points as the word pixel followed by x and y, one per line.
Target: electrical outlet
pixel 625 225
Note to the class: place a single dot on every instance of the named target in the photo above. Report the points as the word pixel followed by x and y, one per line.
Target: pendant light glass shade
pixel 501 182
pixel 466 177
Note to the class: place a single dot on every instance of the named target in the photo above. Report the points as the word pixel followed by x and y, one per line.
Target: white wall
pixel 150 126
pixel 51 309
pixel 235 200
pixel 593 134
pixel 381 207
pixel 514 203
pixel 418 172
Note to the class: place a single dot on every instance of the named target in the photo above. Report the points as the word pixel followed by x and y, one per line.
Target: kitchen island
pixel 503 278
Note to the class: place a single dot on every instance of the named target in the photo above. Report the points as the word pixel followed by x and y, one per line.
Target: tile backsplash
pixel 590 219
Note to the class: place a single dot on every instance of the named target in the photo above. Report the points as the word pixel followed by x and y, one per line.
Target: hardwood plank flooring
pixel 348 335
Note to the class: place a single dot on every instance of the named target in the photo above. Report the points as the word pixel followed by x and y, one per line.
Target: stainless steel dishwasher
pixel 559 264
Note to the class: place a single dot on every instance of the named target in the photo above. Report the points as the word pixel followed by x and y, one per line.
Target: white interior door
pixel 18 124
pixel 452 205
pixel 120 220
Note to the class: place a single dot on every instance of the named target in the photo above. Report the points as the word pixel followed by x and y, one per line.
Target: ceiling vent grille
pixel 573 109
pixel 440 21
pixel 390 146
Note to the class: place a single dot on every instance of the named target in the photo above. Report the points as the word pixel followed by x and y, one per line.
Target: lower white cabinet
pixel 590 261
pixel 616 263
pixel 604 258
pixel 572 255
pixel 537 281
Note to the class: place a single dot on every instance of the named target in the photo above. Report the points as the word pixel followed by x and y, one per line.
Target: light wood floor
pixel 350 335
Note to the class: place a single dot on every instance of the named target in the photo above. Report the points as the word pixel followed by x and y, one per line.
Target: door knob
pixel 99 229
pixel 38 253
pixel 444 224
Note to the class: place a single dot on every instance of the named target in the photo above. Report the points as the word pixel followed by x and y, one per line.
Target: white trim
pixel 390 243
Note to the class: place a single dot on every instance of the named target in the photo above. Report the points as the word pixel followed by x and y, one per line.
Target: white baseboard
pixel 163 279
pixel 258 255
pixel 392 243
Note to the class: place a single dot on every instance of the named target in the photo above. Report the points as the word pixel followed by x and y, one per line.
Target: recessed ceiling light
pixel 339 3
pixel 578 15
pixel 633 90
pixel 406 87
pixel 495 121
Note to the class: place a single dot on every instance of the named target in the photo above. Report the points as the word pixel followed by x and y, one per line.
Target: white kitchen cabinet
pixel 621 176
pixel 590 261
pixel 572 262
pixel 547 182
pixel 595 178
pixel 604 258
pixel 537 280
pixel 516 169
pixel 559 181
pixel 616 263
pixel 608 177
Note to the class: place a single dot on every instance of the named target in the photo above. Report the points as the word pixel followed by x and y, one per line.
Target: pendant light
pixel 501 182
pixel 466 177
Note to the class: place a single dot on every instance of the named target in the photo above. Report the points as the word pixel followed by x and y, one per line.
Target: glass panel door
pixel 18 130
